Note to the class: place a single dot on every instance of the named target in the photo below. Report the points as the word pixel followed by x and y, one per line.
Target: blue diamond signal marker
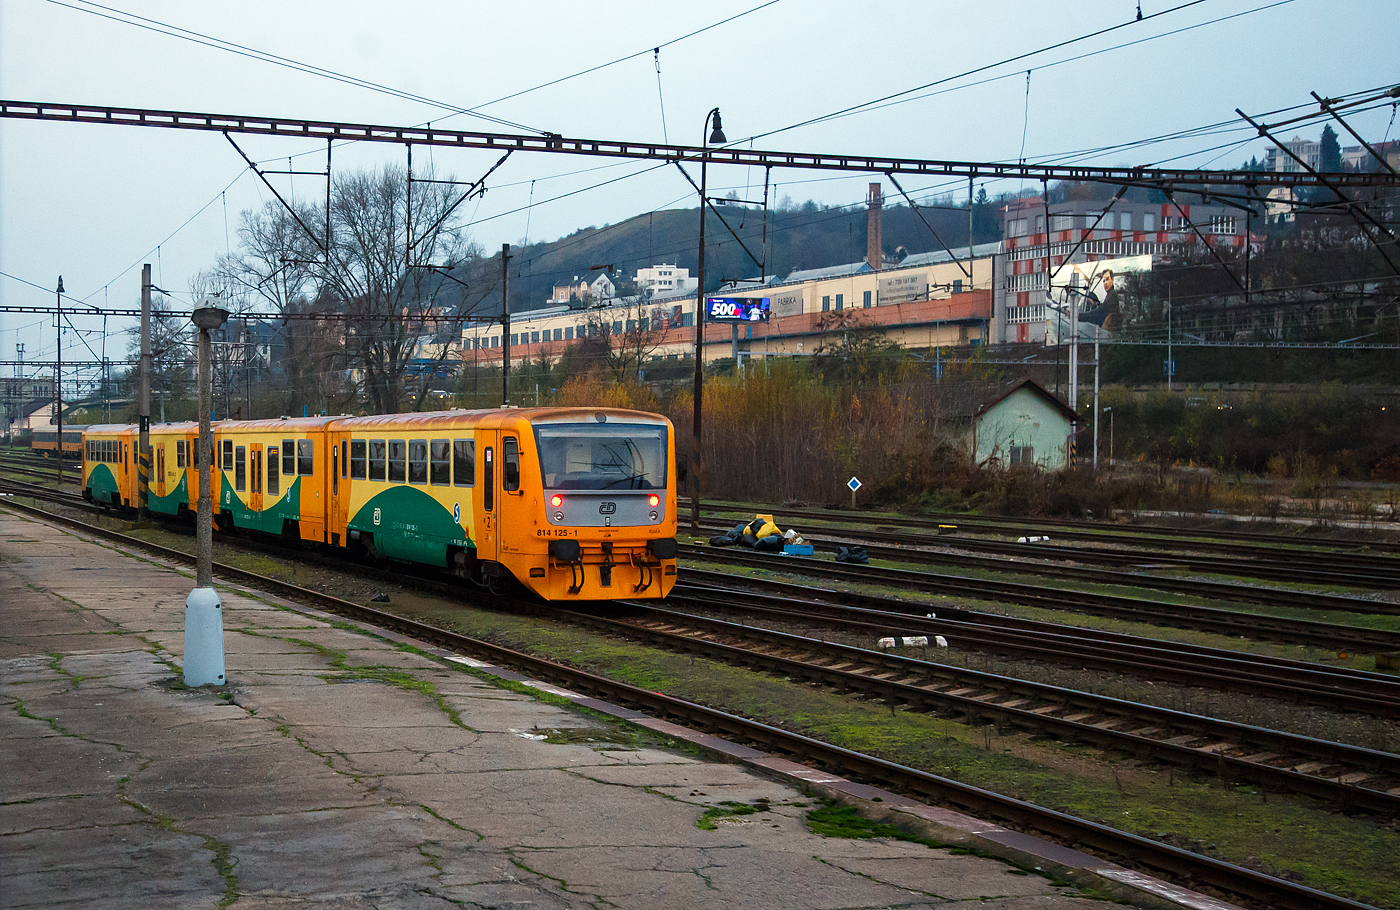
pixel 854 483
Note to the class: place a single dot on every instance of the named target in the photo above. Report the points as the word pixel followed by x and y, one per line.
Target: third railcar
pixel 577 504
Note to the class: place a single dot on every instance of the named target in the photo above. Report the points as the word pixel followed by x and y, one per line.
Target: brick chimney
pixel 873 245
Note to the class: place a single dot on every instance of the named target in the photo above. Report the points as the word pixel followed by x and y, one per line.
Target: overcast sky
pixel 92 203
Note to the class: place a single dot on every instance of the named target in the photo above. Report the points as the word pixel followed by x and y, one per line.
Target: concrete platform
pixel 337 770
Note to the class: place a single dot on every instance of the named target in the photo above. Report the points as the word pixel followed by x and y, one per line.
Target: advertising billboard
pixel 1089 291
pixel 737 309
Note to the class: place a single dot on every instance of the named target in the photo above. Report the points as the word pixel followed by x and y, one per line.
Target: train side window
pixel 228 455
pixel 335 465
pixel 240 468
pixel 418 461
pixel 397 451
pixel 440 460
pixel 274 479
pixel 464 462
pixel 344 461
pixel 357 459
pixel 179 453
pixel 488 481
pixel 306 451
pixel 510 464
pixel 376 459
pixel 289 458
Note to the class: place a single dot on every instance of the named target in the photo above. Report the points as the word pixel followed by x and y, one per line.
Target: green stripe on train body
pixel 171 502
pixel 103 484
pixel 409 524
pixel 271 520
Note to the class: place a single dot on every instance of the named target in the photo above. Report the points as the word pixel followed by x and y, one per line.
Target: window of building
pixel 616 330
pixel 376 459
pixel 1125 221
pixel 568 333
pixel 418 461
pixel 687 320
pixel 534 337
pixel 826 303
pixel 840 301
pixel 514 339
pixel 306 461
pixel 1149 222
pixel 957 285
pixel 357 459
pixel 240 468
pixel 558 334
pixel 1022 456
pixel 865 302
pixel 398 455
pixel 631 326
pixel 464 462
pixel 440 462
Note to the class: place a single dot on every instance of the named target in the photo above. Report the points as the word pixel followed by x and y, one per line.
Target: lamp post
pixel 717 137
pixel 58 380
pixel 204 622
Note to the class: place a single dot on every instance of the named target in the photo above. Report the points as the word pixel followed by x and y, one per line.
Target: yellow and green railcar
pixel 272 476
pixel 109 464
pixel 576 504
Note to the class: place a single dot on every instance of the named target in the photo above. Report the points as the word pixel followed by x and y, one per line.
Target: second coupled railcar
pixel 577 504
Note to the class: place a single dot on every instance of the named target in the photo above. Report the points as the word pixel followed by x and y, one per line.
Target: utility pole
pixel 58 380
pixel 1169 338
pixel 143 470
pixel 505 325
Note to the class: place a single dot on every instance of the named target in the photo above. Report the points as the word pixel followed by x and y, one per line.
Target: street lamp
pixel 204 621
pixel 716 137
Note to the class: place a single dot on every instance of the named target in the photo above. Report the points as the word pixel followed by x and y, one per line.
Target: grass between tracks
pixel 1288 836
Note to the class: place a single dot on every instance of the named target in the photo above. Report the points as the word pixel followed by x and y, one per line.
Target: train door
pixel 339 504
pixel 488 534
pixel 512 514
pixel 255 499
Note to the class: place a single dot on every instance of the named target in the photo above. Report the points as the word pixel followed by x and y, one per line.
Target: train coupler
pixel 570 553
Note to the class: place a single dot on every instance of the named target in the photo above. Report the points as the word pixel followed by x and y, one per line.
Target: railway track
pixel 1020 565
pixel 1190 665
pixel 984 633
pixel 1296 566
pixel 1254 626
pixel 1071 529
pixel 1347 777
pixel 1136 850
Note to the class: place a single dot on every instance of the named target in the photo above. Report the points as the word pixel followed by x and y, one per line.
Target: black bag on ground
pixel 773 543
pixel 855 555
pixel 729 538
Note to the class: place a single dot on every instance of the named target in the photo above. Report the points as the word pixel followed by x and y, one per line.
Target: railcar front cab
pixel 109 468
pixel 606 479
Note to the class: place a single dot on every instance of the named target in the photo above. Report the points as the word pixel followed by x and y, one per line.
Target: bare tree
pixel 622 338
pixel 391 285
pixel 276 266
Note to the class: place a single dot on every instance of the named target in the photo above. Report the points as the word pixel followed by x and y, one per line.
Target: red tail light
pixel 653 500
pixel 556 500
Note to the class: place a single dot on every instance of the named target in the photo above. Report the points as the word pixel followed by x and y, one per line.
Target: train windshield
pixel 602 456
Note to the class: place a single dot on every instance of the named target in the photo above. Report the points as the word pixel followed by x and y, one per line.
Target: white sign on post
pixel 855 484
